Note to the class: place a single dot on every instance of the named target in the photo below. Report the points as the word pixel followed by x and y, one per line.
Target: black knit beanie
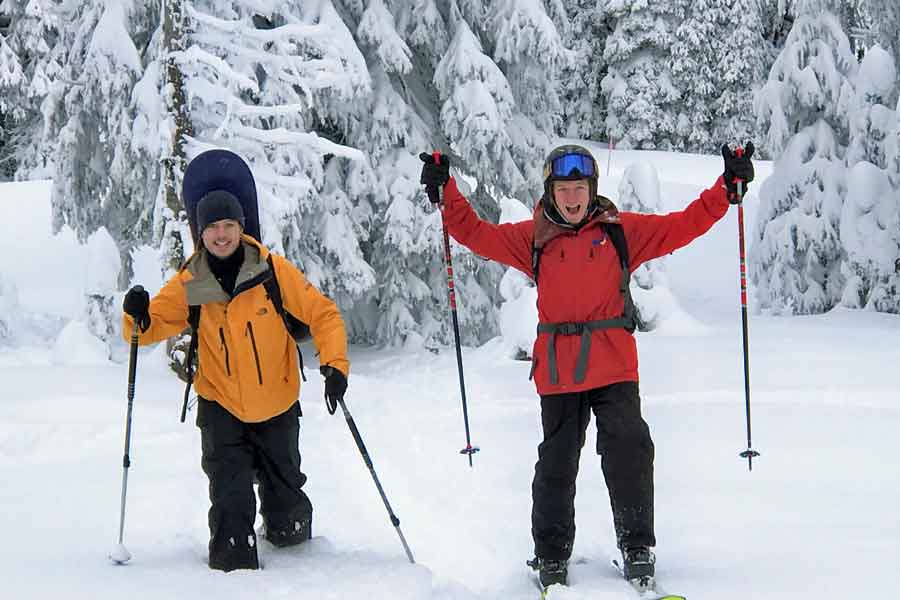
pixel 218 205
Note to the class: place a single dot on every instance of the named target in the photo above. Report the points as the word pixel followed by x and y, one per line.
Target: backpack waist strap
pixel 585 329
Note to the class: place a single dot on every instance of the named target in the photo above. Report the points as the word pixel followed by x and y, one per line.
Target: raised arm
pixel 509 243
pixel 652 236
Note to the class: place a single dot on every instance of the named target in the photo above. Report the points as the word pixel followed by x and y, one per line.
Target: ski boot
pixel 550 571
pixel 638 563
pixel 296 532
pixel 233 554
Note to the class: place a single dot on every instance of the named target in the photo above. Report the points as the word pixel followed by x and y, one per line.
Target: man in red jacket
pixel 585 357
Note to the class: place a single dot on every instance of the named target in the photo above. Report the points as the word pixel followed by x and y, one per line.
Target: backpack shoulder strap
pixel 273 289
pixel 616 234
pixel 295 327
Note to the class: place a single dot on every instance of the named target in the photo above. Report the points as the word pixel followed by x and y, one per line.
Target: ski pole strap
pixel 585 330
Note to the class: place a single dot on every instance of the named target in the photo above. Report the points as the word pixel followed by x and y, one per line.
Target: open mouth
pixel 573 209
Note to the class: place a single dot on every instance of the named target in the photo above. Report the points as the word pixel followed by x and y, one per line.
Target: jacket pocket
pixel 255 351
pixel 225 349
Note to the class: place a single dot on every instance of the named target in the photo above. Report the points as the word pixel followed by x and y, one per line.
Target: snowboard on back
pixel 220 170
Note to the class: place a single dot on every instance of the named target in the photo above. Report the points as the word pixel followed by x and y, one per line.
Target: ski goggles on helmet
pixel 567 165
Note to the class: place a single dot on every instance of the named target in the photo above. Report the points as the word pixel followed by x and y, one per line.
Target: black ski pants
pixel 234 454
pixel 626 450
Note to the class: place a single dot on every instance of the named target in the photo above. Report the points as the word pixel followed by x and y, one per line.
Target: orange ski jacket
pixel 247 361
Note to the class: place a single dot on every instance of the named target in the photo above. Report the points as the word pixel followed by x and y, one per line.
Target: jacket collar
pixel 203 288
pixel 549 224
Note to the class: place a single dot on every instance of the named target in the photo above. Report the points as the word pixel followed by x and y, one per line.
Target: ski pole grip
pixel 434 193
pixel 739 152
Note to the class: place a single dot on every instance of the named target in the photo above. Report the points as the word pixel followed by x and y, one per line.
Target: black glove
pixel 434 175
pixel 335 386
pixel 737 167
pixel 137 305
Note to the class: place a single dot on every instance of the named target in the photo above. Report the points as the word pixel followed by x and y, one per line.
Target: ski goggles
pixel 567 164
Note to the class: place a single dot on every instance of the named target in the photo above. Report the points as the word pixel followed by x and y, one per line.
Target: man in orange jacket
pixel 248 379
pixel 585 357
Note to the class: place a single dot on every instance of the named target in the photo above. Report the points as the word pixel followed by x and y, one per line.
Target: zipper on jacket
pixel 255 351
pixel 225 347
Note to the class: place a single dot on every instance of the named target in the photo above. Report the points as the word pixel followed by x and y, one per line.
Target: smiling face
pixel 221 238
pixel 572 199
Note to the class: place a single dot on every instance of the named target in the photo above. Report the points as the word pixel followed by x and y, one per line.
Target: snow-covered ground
pixel 816 518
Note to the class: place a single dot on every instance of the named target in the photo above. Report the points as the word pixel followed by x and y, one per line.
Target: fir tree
pixel 583 104
pixel 639 89
pixel 885 15
pixel 12 79
pixel 87 118
pixel 741 68
pixel 870 225
pixel 797 259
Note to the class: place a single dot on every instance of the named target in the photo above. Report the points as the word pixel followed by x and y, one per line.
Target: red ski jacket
pixel 580 275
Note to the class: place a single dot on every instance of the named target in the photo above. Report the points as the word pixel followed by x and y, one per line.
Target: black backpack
pixel 297 329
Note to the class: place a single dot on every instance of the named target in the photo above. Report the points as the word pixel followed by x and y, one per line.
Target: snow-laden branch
pixel 283 136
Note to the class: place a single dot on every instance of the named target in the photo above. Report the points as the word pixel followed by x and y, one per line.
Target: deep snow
pixel 816 517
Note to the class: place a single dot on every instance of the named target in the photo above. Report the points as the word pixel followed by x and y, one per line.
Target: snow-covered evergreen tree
pixel 796 260
pixel 32 31
pixel 697 45
pixel 330 102
pixel 870 225
pixel 86 117
pixel 477 110
pixel 270 107
pixel 810 80
pixel 885 15
pixel 584 26
pixel 871 110
pixel 103 314
pixel 639 191
pixel 12 80
pixel 530 52
pixel 640 91
pixel 741 69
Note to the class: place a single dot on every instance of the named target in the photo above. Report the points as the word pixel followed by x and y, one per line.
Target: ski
pixel 542 591
pixel 646 587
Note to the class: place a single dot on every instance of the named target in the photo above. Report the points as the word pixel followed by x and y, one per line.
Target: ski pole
pixel 365 454
pixel 434 192
pixel 120 555
pixel 749 453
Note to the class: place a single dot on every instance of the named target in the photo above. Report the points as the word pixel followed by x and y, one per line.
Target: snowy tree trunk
pixel 173 221
pixel 176 105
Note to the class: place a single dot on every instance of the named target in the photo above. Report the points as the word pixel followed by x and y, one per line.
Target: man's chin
pixel 220 252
